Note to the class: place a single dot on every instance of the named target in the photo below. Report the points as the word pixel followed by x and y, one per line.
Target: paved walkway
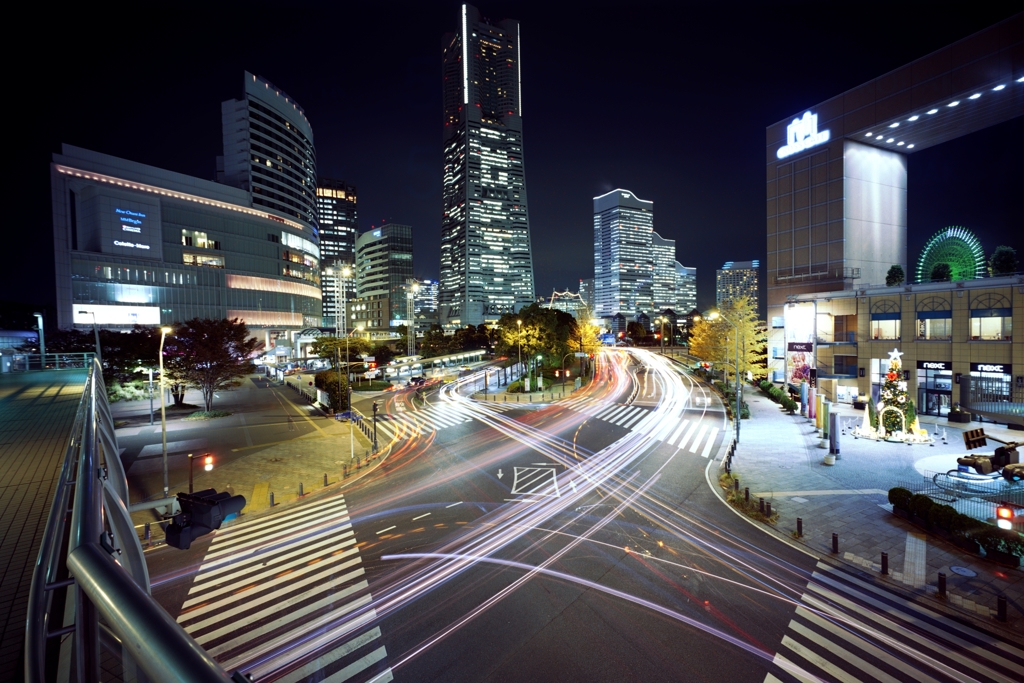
pixel 37 411
pixel 779 460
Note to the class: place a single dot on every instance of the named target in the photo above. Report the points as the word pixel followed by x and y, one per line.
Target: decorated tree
pixel 894 395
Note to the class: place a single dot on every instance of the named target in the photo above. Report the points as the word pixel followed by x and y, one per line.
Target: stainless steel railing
pixel 27 362
pixel 90 606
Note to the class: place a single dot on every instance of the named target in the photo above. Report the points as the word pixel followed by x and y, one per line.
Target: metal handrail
pixel 33 362
pixel 92 566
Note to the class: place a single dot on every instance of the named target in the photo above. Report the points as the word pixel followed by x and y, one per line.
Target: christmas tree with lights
pixel 894 395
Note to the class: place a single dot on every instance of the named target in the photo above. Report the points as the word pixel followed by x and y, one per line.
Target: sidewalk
pixel 778 458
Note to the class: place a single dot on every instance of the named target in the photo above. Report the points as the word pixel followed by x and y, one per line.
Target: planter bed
pixel 962 542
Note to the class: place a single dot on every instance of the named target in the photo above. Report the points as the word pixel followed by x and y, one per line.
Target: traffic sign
pixel 581 355
pixel 369 359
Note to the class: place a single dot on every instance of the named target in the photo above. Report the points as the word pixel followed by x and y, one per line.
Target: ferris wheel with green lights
pixel 956 246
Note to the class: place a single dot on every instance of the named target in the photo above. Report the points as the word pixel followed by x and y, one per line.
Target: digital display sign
pixel 802 134
pixel 800 324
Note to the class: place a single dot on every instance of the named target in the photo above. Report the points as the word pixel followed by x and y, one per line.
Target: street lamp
pixel 96 332
pixel 164 331
pixel 661 320
pixel 42 341
pixel 713 316
pixel 518 339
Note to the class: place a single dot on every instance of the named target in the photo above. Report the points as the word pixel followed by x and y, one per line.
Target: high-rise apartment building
pixel 686 289
pixel 736 279
pixel 336 211
pixel 623 261
pixel 383 269
pixel 268 151
pixel 486 259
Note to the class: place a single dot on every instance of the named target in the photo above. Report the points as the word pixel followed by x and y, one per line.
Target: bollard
pixel 359 465
pixel 736 482
pixel 746 494
pixel 885 563
pixel 325 479
pixel 760 505
pixel 1001 608
pixel 768 509
pixel 835 543
pixel 942 584
pixel 799 526
pixel 346 471
pixel 147 534
pixel 271 499
pixel 300 490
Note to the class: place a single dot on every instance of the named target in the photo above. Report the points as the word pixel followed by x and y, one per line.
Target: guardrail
pixel 32 362
pixel 90 606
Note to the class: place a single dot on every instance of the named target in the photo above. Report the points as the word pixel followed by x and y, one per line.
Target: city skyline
pixel 402 182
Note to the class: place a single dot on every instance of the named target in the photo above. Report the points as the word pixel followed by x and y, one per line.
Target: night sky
pixel 669 100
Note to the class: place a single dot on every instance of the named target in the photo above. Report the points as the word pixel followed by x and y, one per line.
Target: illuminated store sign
pixel 133 245
pixel 933 365
pixel 990 367
pixel 116 315
pixel 802 134
pixel 131 221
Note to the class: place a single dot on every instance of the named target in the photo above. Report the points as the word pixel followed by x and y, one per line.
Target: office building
pixel 736 279
pixel 268 151
pixel 383 271
pixel 663 282
pixel 837 171
pixel 337 288
pixel 686 288
pixel 135 244
pixel 567 302
pixel 336 211
pixel 486 259
pixel 623 261
pixel 587 293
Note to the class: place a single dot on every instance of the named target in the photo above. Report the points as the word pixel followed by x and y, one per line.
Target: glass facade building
pixel 135 244
pixel 336 211
pixel 686 288
pixel 663 285
pixel 383 271
pixel 623 258
pixel 486 258
pixel 268 151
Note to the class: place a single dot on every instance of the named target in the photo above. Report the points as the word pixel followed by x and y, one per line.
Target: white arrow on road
pixel 499 474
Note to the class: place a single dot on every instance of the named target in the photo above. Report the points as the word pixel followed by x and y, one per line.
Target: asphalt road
pixel 577 541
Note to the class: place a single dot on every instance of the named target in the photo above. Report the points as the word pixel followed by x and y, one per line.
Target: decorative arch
pixel 988 301
pixel 885 306
pixel 956 246
pixel 934 303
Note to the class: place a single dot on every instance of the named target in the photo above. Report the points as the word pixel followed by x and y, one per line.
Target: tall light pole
pixel 717 314
pixel 96 333
pixel 661 328
pixel 518 339
pixel 42 341
pixel 351 412
pixel 164 331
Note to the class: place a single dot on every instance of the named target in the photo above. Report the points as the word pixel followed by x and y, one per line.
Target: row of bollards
pixel 941 592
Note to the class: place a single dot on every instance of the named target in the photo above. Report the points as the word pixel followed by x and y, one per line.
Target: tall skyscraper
pixel 383 269
pixel 268 151
pixel 686 289
pixel 736 279
pixel 486 259
pixel 336 210
pixel 587 293
pixel 623 262
pixel 663 285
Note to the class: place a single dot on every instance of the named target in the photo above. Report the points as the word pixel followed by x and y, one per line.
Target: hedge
pixel 946 517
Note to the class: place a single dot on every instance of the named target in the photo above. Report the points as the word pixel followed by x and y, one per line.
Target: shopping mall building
pixel 837 220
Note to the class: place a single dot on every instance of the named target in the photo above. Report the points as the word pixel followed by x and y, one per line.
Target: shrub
pixel 941 516
pixel 900 498
pixel 207 414
pixel 994 539
pixel 963 525
pixel 744 411
pixel 920 504
pixel 789 405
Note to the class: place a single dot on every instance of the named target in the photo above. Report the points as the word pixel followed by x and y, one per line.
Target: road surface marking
pixel 672 441
pixel 689 433
pixel 696 441
pixel 914 566
pixel 260 498
pixel 710 443
pixel 388 529
pixel 420 517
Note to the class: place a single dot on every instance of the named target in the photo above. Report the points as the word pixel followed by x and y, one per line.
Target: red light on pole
pixel 208 463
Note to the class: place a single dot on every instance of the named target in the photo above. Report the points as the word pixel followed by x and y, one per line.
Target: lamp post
pixel 717 314
pixel 661 329
pixel 164 331
pixel 96 333
pixel 42 341
pixel 518 339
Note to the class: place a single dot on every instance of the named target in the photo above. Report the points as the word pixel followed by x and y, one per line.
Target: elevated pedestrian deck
pixel 37 412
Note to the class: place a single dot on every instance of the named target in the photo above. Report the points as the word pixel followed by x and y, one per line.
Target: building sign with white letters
pixel 991 367
pixel 802 134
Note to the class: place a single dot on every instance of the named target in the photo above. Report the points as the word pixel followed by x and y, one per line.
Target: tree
pixel 941 272
pixel 895 277
pixel 330 348
pixel 382 354
pixel 894 395
pixel 713 338
pixel 335 386
pixel 209 355
pixel 636 332
pixel 1003 261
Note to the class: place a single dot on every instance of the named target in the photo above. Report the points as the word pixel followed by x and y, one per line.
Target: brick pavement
pixel 37 411
pixel 779 459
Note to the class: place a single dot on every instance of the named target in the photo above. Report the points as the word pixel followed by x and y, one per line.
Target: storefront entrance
pixel 934 402
pixel 934 387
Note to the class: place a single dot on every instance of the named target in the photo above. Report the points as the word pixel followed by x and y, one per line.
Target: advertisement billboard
pixel 800 323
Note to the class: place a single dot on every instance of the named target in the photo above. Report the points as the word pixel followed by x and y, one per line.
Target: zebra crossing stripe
pixel 710 443
pixel 696 441
pixel 640 412
pixel 672 441
pixel 254 538
pixel 820 662
pixel 611 413
pixel 334 655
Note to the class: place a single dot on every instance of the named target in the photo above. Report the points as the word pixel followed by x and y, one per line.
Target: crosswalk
pixel 429 419
pixel 287 593
pixel 848 629
pixel 691 435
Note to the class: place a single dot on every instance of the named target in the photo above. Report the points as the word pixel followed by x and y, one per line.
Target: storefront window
pixel 935 328
pixel 885 329
pixel 986 326
pixel 934 387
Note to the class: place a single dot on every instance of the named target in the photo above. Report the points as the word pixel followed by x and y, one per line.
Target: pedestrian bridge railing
pixel 28 362
pixel 90 613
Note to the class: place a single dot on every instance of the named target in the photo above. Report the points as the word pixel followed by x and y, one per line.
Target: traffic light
pixel 1005 514
pixel 373 365
pixel 568 373
pixel 208 463
pixel 558 373
pixel 375 407
pixel 201 513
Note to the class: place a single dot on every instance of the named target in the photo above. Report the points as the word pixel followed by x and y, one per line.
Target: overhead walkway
pixel 37 414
